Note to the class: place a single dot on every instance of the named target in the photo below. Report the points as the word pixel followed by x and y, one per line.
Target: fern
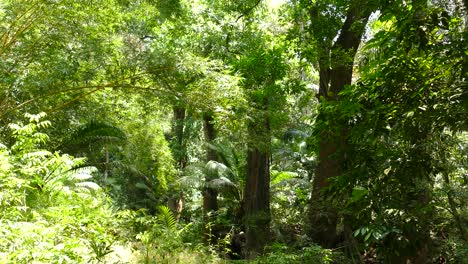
pixel 190 181
pixel 224 185
pixel 166 218
pixel 216 169
pixel 227 156
pixel 220 178
pixel 279 176
pixel 88 186
pixel 93 134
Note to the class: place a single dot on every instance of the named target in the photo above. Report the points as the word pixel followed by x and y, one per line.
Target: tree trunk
pixel 334 74
pixel 175 202
pixel 178 145
pixel 257 197
pixel 210 196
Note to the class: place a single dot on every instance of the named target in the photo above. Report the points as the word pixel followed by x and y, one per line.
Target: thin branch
pixel 74 100
pixel 114 84
pixel 245 13
pixel 8 40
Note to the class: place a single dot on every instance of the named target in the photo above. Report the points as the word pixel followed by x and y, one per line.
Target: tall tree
pixel 336 28
pixel 406 112
pixel 262 68
pixel 254 55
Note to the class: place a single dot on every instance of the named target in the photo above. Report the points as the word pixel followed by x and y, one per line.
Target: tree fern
pixel 92 135
pixel 225 186
pixel 79 179
pixel 229 163
pixel 221 178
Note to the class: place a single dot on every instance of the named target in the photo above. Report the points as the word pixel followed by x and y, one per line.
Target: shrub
pixel 50 210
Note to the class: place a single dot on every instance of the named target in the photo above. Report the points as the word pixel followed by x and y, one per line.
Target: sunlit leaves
pixel 409 74
pixel 46 204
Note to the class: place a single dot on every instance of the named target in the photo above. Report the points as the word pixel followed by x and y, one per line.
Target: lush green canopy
pixel 159 131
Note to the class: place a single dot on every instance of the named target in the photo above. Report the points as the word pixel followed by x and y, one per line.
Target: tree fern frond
pixel 221 184
pixel 77 162
pixel 91 133
pixel 225 186
pixel 224 153
pixel 166 218
pixel 88 185
pixel 81 176
pixel 294 134
pixel 97 128
pixel 216 169
pixel 82 169
pixel 142 185
pixel 229 158
pixel 278 176
pixel 195 169
pixel 216 166
pixel 191 181
pixel 38 153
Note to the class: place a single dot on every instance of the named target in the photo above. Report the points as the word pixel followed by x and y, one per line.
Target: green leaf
pixel 357 194
pixel 409 114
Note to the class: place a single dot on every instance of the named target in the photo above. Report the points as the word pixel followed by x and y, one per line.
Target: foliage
pixel 50 210
pixel 49 58
pixel 280 253
pixel 130 83
pixel 227 177
pixel 162 239
pixel 404 109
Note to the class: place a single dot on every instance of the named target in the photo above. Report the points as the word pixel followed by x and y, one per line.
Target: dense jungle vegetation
pixel 249 131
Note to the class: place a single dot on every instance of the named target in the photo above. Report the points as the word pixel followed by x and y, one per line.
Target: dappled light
pixel 250 131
